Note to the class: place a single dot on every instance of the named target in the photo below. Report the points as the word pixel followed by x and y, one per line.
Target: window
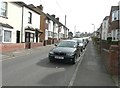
pixel 31 37
pixel 7 36
pixel 0 34
pixel 49 33
pixel 115 15
pixel 3 9
pixel 30 17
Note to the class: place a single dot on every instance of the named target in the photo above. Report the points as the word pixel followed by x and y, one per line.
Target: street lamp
pixel 94 30
pixel 94 27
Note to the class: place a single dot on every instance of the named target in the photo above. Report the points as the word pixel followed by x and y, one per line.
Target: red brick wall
pixel 34 45
pixel 110 58
pixel 11 47
pixel 113 62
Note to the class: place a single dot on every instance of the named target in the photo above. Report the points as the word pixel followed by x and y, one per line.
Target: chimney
pixel 57 18
pixel 40 7
pixel 53 15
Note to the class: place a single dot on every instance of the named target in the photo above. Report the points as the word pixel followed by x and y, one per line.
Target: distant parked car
pixel 66 50
pixel 80 42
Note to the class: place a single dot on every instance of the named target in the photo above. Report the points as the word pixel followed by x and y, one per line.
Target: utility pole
pixel 65 19
pixel 74 30
pixel 93 29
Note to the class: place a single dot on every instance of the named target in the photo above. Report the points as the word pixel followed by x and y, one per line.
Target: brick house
pixel 52 29
pixel 105 26
pixel 114 22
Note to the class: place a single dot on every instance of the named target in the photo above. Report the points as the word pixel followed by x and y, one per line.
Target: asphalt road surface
pixel 34 69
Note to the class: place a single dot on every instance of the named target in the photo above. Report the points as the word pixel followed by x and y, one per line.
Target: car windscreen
pixel 71 44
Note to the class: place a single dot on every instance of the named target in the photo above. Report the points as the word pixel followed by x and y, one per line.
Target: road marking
pixel 76 70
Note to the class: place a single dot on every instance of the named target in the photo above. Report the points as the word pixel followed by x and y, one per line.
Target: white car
pixel 81 43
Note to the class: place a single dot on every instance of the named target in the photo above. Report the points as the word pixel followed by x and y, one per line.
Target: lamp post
pixel 94 30
pixel 93 34
pixel 94 27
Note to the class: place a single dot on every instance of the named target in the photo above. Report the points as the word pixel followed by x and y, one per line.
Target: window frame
pixel 3 9
pixel 30 18
pixel 115 15
pixel 9 36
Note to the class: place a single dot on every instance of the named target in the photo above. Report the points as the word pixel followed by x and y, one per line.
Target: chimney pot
pixel 53 15
pixel 57 18
pixel 40 7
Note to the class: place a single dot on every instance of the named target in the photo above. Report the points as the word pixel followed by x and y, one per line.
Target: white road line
pixel 76 70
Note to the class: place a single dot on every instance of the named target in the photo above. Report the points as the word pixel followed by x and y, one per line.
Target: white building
pixel 30 24
pixel 10 22
pixel 19 26
pixel 105 27
pixel 114 22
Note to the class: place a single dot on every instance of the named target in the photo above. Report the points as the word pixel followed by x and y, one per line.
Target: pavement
pixel 12 54
pixel 92 71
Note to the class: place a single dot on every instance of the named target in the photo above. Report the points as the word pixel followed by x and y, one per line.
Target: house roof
pixel 6 25
pixel 107 17
pixel 113 8
pixel 33 29
pixel 31 6
pixel 37 10
pixel 55 20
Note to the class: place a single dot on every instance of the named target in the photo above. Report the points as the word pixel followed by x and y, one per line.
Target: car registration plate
pixel 59 57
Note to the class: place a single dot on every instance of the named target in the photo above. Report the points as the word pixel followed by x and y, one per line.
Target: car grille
pixel 61 54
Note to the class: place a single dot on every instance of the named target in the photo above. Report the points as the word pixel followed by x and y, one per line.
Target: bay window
pixel 3 9
pixel 115 15
pixel 7 36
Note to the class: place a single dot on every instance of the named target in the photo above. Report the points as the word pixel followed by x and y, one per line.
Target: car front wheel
pixel 74 60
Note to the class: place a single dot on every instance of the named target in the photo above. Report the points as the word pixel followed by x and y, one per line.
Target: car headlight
pixel 70 54
pixel 51 52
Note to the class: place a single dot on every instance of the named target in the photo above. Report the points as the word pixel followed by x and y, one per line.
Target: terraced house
pixel 19 27
pixel 114 23
pixel 55 29
pixel 27 26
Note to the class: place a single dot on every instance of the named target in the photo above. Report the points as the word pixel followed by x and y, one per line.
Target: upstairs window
pixel 115 15
pixel 3 9
pixel 30 17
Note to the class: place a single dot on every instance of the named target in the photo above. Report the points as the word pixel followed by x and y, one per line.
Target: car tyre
pixel 74 60
pixel 50 60
pixel 81 50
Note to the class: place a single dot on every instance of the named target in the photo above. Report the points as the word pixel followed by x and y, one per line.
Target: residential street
pixel 34 69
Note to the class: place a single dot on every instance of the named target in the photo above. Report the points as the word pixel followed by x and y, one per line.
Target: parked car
pixel 85 40
pixel 80 42
pixel 66 50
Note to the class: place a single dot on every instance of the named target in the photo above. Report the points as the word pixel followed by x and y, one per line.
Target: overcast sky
pixel 81 14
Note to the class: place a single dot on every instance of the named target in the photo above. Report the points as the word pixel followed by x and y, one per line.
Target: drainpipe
pixel 22 25
pixel 53 31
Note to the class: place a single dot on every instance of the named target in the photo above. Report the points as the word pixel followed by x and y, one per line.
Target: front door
pixel 18 37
